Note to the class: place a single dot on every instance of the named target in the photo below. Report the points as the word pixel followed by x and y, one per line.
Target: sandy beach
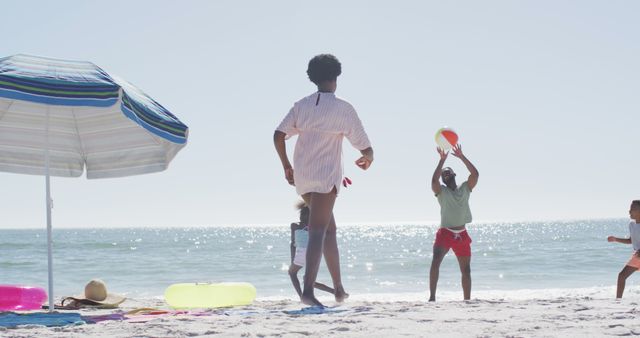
pixel 381 149
pixel 575 315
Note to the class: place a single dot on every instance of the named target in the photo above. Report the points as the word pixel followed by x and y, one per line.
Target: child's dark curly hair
pixel 304 211
pixel 324 67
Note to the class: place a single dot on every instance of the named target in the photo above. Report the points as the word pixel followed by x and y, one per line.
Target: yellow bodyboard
pixel 209 295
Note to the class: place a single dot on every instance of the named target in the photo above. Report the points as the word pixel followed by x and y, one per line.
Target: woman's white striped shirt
pixel 321 120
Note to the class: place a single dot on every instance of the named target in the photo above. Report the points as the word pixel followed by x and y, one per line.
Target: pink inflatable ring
pixel 21 298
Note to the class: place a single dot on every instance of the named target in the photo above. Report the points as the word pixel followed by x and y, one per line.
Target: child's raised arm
pixel 292 247
pixel 619 240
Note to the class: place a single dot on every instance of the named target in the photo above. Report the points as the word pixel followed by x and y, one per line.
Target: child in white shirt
pixel 634 238
pixel 299 239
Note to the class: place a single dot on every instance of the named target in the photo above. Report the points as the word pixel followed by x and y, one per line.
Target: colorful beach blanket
pixel 143 315
pixel 92 319
pixel 314 310
pixel 12 319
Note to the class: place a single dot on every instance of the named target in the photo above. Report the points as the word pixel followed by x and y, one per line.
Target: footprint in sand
pixel 582 308
pixel 304 333
pixel 624 317
pixel 342 329
pixel 492 321
pixel 362 309
pixel 623 332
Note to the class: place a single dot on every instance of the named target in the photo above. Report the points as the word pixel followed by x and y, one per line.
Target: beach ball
pixel 446 138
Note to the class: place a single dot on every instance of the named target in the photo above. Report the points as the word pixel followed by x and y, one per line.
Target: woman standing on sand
pixel 321 120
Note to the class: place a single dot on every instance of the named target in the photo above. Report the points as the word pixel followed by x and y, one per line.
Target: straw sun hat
pixel 95 294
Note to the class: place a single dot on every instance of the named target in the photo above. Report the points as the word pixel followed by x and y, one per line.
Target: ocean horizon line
pixel 429 223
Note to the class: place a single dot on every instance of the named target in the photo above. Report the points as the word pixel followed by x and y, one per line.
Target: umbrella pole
pixel 49 236
pixel 49 240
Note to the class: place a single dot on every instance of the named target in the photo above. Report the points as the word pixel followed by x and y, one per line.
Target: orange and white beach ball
pixel 446 138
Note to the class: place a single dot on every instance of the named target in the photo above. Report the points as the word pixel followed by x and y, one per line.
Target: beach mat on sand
pixel 93 319
pixel 314 310
pixel 144 315
pixel 12 319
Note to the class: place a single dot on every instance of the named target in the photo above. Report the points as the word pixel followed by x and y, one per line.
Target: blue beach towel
pixel 12 320
pixel 314 310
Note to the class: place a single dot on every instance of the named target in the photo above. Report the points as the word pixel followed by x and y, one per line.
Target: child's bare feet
pixel 341 295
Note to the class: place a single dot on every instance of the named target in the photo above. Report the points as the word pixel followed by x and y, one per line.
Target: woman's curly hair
pixel 323 67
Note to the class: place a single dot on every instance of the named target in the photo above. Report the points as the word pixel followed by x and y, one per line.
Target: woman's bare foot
pixel 310 300
pixel 341 295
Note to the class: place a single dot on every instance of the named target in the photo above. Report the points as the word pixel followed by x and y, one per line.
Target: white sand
pixel 574 315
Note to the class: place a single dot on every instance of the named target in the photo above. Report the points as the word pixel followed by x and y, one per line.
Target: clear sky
pixel 544 95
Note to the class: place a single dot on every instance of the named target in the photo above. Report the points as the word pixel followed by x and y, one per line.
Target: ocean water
pixel 533 257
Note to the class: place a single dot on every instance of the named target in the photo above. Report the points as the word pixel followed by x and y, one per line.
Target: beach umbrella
pixel 60 118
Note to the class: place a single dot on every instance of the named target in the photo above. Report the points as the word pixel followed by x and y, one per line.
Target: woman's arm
pixel 365 161
pixel 281 149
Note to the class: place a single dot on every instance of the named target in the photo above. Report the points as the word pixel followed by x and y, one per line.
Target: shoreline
pixel 578 313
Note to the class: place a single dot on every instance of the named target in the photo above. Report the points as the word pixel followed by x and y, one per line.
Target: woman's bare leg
pixel 332 257
pixel 321 209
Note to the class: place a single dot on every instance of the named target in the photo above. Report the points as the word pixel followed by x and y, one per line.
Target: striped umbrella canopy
pixel 60 117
